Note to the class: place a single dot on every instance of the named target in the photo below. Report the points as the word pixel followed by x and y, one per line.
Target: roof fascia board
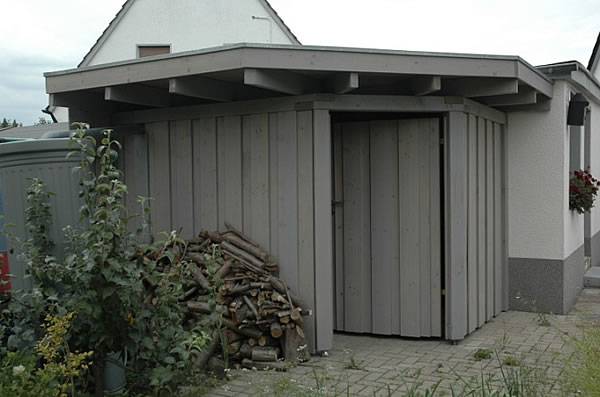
pixel 354 103
pixel 576 74
pixel 309 48
pixel 106 34
pixel 296 58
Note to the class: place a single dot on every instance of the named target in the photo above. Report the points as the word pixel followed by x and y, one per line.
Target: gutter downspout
pixel 47 111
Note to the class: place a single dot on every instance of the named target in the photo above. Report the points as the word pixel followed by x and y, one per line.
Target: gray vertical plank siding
pixel 357 232
pixel 229 170
pixel 408 162
pixel 390 179
pixel 498 221
pixel 385 265
pixel 481 224
pixel 256 178
pixel 204 167
pixel 306 230
pixel 270 174
pixel 456 273
pixel 136 176
pixel 472 225
pixel 287 201
pixel 425 247
pixel 338 196
pixel 323 236
pixel 260 173
pixel 273 186
pixel 435 231
pixel 159 175
pixel 182 189
pixel 489 218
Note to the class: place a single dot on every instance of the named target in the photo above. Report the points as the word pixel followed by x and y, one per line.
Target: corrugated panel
pixel 45 160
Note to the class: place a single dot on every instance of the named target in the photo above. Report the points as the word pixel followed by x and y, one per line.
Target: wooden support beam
pixel 138 95
pixel 280 81
pixel 423 85
pixel 526 96
pixel 543 104
pixel 480 87
pixel 343 83
pixel 70 99
pixel 202 87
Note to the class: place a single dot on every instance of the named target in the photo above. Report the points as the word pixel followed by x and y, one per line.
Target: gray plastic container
pixel 45 159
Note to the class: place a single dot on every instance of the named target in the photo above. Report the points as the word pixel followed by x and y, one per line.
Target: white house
pixel 154 27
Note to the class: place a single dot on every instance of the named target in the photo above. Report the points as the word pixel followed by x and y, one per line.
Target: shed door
pixel 388 227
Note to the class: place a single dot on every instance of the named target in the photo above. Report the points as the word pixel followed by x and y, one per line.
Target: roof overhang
pixel 576 74
pixel 250 71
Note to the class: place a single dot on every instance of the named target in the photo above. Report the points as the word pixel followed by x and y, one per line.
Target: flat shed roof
pixel 253 71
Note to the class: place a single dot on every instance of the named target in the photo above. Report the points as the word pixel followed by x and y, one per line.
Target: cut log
pixel 189 293
pixel 251 306
pixel 292 341
pixel 266 340
pixel 240 234
pixel 252 342
pixel 234 347
pixel 248 332
pixel 208 351
pixel 277 365
pixel 284 319
pixel 199 277
pixel 223 270
pixel 279 286
pixel 264 353
pixel 246 246
pixel 296 314
pixel 276 330
pixel 246 350
pixel 228 247
pixel 277 297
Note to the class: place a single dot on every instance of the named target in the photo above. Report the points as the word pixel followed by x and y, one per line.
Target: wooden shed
pixel 375 177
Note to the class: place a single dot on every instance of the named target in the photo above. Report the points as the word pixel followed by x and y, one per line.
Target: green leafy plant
pixel 581 374
pixel 511 361
pixel 124 287
pixel 583 189
pixel 482 354
pixel 21 375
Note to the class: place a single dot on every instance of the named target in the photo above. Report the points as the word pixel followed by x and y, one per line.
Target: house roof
pixel 34 131
pixel 593 63
pixel 577 74
pixel 251 71
pixel 127 5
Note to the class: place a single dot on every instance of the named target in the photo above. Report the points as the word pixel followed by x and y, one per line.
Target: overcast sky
pixel 38 36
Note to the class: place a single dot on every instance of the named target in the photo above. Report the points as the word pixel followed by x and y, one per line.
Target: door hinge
pixel 444 292
pixel 442 141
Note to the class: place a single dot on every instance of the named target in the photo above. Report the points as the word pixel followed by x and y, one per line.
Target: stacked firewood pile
pixel 262 319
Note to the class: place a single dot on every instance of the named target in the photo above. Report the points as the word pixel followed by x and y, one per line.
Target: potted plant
pixel 583 189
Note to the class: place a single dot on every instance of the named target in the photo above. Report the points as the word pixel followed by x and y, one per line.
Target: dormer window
pixel 151 50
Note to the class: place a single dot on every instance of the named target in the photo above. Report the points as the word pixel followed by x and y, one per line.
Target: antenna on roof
pixel 254 17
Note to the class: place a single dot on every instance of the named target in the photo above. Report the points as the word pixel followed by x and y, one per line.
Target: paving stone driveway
pixel 380 366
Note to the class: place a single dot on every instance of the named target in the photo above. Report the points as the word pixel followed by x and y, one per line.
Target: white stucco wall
pixel 188 25
pixel 537 156
pixel 595 160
